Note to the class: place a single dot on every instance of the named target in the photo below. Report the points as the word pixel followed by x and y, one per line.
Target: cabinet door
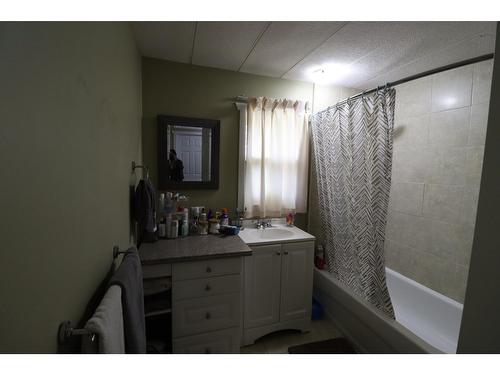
pixel 296 280
pixel 262 286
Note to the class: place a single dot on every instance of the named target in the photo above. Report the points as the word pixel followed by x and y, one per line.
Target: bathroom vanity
pixel 226 292
pixel 278 280
pixel 205 274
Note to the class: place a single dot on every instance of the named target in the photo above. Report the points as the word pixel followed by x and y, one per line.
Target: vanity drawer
pixel 206 268
pixel 219 342
pixel 205 287
pixel 205 314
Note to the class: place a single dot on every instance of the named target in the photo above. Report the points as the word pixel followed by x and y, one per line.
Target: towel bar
pixel 116 252
pixel 66 331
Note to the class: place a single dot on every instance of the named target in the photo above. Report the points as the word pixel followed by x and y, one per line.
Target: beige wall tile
pixel 407 197
pixel 478 124
pixel 443 202
pixel 414 98
pixel 452 89
pixel 481 85
pixel 446 165
pixel 450 128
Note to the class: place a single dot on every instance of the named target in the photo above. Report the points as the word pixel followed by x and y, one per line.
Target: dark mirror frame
pixel 163 182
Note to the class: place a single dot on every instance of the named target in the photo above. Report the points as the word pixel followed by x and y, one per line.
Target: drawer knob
pixel 207 315
pixel 208 288
pixel 207 351
pixel 209 269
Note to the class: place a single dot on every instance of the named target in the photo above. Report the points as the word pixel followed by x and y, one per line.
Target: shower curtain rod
pixel 417 76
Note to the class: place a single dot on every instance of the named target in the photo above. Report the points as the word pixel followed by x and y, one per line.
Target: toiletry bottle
pixel 161 204
pixel 162 228
pixel 174 229
pixel 224 218
pixel 168 225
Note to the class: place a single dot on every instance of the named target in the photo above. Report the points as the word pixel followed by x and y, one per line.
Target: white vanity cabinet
pixel 278 288
pixel 206 306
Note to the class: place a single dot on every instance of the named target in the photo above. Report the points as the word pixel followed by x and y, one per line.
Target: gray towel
pixel 107 324
pixel 129 277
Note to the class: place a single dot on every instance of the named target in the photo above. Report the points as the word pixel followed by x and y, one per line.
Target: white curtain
pixel 277 152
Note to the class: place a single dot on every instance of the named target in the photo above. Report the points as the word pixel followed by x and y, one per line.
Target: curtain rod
pixel 417 76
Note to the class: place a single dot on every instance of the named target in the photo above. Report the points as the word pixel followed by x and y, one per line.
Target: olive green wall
pixel 185 90
pixel 70 113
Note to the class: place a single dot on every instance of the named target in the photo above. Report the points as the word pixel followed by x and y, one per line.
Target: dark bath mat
pixel 338 345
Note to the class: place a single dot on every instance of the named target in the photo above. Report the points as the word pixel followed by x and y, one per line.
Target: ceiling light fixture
pixel 328 74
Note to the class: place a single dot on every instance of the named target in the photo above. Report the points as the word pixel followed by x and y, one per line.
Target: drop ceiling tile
pixel 373 48
pixel 225 45
pixel 466 49
pixel 165 40
pixel 415 40
pixel 353 41
pixel 286 43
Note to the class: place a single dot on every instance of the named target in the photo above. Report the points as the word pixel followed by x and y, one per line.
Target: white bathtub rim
pixel 425 289
pixel 373 313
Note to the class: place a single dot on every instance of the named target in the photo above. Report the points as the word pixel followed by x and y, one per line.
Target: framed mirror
pixel 188 153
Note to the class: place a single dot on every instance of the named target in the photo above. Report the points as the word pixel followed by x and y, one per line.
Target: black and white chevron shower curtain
pixel 353 157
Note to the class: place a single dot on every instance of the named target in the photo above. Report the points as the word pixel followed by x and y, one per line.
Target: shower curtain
pixel 353 155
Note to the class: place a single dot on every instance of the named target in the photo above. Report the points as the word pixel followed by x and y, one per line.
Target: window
pixel 274 152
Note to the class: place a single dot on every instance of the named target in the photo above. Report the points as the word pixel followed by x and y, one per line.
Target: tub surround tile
pixel 399 258
pixel 412 131
pixel 469 205
pixel 410 164
pixel 478 124
pixel 414 98
pixel 461 275
pixel 450 128
pixel 446 166
pixel 443 202
pixel 431 271
pixel 439 134
pixel 474 160
pixel 452 89
pixel 405 229
pixel 465 248
pixel 406 197
pixel 481 84
pixel 444 240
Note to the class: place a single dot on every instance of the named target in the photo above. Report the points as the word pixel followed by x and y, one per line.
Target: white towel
pixel 107 324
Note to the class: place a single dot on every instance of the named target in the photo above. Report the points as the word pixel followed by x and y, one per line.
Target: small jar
pixel 203 227
pixel 214 226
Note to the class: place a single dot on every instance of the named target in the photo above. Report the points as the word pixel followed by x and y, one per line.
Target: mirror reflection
pixel 189 153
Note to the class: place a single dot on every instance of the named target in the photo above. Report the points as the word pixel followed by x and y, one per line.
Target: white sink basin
pixel 273 234
pixel 278 233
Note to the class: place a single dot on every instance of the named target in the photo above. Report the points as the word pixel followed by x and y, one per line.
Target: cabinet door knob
pixel 207 351
pixel 207 315
pixel 209 269
pixel 278 253
pixel 286 252
pixel 208 288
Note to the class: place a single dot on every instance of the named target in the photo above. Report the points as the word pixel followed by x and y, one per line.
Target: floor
pixel 278 342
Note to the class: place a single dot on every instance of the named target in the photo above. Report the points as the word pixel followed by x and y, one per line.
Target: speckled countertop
pixel 192 248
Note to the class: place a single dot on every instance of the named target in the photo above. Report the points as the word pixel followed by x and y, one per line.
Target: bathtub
pixel 426 321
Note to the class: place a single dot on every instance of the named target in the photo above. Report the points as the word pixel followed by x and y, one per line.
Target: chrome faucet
pixel 263 223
